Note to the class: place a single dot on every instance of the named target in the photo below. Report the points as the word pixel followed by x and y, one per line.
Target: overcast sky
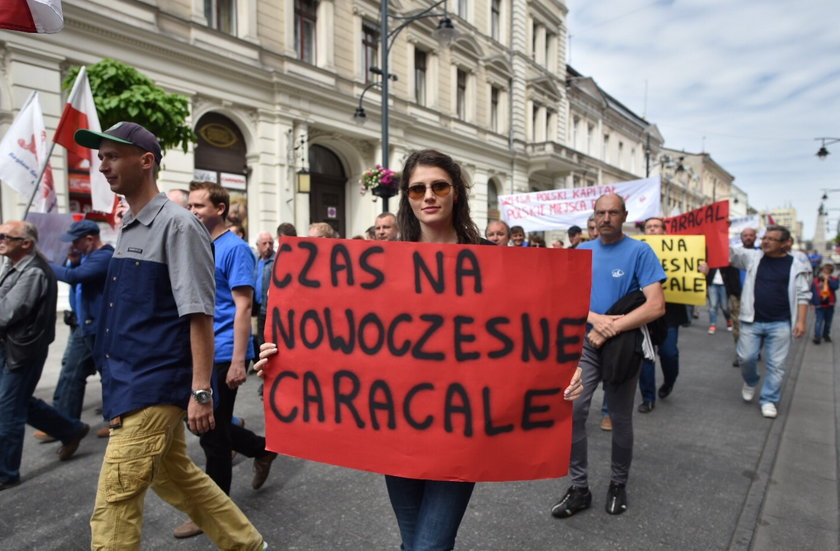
pixel 750 82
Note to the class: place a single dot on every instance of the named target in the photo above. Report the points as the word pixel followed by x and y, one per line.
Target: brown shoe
pixel 262 466
pixel 66 451
pixel 187 530
pixel 606 423
pixel 104 432
pixel 44 437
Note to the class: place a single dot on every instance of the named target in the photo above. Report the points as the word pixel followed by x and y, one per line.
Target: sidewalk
pixel 708 473
pixel 800 506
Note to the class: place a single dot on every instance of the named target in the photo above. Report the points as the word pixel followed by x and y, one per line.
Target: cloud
pixel 752 83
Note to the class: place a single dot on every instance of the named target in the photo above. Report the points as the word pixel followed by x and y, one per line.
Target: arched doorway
pixel 326 198
pixel 220 157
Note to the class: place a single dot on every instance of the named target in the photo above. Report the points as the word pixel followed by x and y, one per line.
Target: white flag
pixel 23 149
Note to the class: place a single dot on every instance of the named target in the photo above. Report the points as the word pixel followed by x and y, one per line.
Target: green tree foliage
pixel 122 93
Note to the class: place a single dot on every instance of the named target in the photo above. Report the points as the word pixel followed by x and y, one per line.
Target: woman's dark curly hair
pixel 408 224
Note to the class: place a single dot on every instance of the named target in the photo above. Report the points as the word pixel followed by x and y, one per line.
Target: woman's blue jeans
pixel 428 512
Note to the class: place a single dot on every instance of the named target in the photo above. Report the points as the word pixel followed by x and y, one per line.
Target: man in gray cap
pixel 85 271
pixel 154 346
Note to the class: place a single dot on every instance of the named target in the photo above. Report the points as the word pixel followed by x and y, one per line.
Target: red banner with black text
pixel 711 221
pixel 429 361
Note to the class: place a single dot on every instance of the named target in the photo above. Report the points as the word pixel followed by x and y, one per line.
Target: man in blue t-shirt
pixel 620 265
pixel 210 202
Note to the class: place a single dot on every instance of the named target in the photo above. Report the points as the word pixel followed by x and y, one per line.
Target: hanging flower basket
pixel 382 182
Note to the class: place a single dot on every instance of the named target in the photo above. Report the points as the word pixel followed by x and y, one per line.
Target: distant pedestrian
pixel 669 352
pixel 155 349
pixel 718 298
pixel 498 232
pixel 575 235
pixel 385 227
pixel 28 295
pixel 86 270
pixel 824 297
pixel 774 306
pixel 517 237
pixel 536 241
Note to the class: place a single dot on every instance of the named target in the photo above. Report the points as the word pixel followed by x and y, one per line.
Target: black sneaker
pixel 827 338
pixel 576 500
pixel 665 391
pixel 616 499
pixel 646 407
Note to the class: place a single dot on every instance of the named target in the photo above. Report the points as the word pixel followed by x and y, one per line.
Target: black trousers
pixel 226 437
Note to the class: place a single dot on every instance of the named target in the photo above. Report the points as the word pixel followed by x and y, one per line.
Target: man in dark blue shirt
pixel 774 307
pixel 155 349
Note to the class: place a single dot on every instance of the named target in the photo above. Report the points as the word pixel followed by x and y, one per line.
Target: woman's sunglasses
pixel 418 191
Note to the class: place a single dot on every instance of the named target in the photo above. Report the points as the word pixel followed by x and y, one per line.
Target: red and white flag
pixel 23 154
pixel 80 112
pixel 31 16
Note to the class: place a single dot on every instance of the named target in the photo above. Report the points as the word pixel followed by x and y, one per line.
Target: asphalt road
pixel 707 474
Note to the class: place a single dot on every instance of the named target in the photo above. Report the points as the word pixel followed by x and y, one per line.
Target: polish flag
pixel 24 152
pixel 31 16
pixel 80 112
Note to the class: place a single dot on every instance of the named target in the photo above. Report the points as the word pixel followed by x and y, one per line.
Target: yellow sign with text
pixel 681 256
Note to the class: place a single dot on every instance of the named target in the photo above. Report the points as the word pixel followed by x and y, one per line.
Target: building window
pixel 575 131
pixel 550 125
pixel 462 9
pixel 305 20
pixel 492 201
pixel 420 58
pixel 620 155
pixel 535 27
pixel 606 156
pixel 495 18
pixel 221 15
pixel 590 132
pixel 494 109
pixel 370 47
pixel 550 48
pixel 535 121
pixel 461 95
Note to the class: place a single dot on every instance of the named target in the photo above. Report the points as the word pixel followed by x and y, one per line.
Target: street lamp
pixel 822 152
pixel 445 34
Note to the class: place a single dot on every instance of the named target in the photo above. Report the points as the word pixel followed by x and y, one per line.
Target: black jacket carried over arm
pixel 621 356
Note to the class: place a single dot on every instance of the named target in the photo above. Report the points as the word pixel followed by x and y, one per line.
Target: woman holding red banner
pixel 433 209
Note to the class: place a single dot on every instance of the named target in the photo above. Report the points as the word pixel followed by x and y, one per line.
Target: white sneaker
pixel 768 409
pixel 747 393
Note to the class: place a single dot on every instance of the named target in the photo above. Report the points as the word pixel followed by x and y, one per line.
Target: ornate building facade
pixel 273 87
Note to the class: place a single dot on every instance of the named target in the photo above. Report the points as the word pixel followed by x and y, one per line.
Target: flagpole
pixel 38 181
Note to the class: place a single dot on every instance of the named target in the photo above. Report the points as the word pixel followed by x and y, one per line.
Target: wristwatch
pixel 203 396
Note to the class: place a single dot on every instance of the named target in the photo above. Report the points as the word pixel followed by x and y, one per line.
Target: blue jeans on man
pixel 717 299
pixel 18 407
pixel 669 357
pixel 776 336
pixel 76 366
pixel 428 512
